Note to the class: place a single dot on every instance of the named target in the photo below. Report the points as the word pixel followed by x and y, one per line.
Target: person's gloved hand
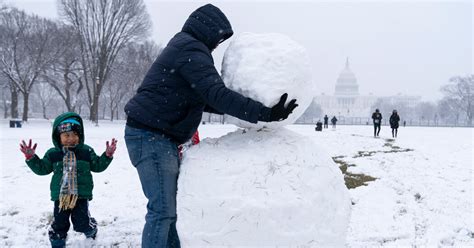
pixel 110 149
pixel 28 150
pixel 279 112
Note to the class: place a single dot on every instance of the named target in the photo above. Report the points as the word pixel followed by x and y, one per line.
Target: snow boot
pixel 92 234
pixel 58 243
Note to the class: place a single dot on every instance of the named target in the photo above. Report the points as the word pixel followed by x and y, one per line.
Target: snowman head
pixel 265 66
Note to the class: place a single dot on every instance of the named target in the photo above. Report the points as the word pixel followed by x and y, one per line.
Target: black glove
pixel 279 112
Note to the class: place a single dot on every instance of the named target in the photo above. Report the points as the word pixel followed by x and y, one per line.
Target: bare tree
pixel 45 95
pixel 65 74
pixel 4 87
pixel 6 82
pixel 425 111
pixel 3 6
pixel 14 100
pixel 25 51
pixel 143 55
pixel 128 72
pixel 103 28
pixel 460 92
pixel 446 110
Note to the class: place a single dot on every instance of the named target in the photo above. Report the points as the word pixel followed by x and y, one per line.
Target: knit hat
pixel 68 125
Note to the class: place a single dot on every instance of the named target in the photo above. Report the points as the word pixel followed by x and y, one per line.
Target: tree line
pixel 91 60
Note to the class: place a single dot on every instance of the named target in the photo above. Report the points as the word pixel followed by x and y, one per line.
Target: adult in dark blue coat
pixel 394 123
pixel 168 107
pixel 377 117
pixel 326 118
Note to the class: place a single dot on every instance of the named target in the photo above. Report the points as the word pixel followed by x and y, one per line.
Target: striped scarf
pixel 68 194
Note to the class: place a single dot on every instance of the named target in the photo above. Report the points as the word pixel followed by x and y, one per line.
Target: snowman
pixel 263 185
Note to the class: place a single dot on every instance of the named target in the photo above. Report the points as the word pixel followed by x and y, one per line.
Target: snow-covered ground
pixel 422 197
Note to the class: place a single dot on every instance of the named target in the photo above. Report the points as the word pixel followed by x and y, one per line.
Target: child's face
pixel 69 138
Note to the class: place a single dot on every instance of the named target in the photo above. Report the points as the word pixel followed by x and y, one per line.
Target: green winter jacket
pixel 87 162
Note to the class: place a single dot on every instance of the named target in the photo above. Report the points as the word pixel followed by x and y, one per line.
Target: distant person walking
pixel 394 120
pixel 377 117
pixel 333 121
pixel 404 123
pixel 326 119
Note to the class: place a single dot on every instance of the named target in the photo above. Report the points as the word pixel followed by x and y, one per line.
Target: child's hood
pixel 58 120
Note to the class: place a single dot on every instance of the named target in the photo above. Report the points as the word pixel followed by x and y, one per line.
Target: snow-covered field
pixel 422 197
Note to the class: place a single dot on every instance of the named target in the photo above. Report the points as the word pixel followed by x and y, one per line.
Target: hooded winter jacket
pixel 394 121
pixel 86 160
pixel 183 82
pixel 377 118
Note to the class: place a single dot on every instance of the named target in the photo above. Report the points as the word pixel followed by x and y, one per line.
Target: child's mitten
pixel 28 150
pixel 110 149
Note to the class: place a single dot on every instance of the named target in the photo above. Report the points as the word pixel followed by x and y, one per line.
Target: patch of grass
pixel 13 212
pixel 395 149
pixel 390 144
pixel 356 180
pixel 418 197
pixel 364 154
pixel 352 180
pixel 342 164
pixel 398 150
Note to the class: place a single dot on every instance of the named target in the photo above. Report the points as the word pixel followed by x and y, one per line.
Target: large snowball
pixel 263 67
pixel 233 192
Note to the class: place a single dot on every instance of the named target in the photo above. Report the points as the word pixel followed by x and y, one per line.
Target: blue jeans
pixel 157 163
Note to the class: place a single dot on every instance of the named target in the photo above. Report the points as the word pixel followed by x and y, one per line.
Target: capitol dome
pixel 346 84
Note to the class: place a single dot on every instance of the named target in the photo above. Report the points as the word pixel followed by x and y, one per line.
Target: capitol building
pixel 347 102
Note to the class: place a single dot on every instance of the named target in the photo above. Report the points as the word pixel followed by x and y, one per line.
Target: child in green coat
pixel 71 162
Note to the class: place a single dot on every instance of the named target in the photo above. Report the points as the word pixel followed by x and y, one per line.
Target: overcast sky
pixel 410 47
